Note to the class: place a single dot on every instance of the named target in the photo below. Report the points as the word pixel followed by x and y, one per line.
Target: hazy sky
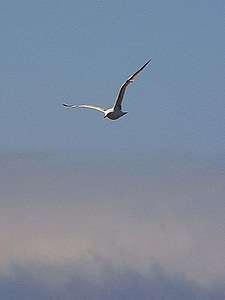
pixel 100 209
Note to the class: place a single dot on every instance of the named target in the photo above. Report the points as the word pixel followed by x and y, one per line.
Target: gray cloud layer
pixel 90 228
pixel 114 284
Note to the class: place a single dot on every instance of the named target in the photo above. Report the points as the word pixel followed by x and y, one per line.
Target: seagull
pixel 115 112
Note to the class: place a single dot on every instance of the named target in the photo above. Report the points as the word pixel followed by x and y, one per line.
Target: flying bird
pixel 116 111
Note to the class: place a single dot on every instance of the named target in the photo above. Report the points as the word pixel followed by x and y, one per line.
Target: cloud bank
pixel 80 227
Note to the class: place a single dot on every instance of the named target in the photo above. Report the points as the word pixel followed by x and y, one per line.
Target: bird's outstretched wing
pixel 120 95
pixel 99 108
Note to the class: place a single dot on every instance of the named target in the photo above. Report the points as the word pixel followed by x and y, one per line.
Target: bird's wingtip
pixel 147 62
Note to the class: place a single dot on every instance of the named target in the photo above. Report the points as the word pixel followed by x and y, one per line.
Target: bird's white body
pixel 115 112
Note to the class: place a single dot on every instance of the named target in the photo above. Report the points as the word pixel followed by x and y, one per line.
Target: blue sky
pixel 85 200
